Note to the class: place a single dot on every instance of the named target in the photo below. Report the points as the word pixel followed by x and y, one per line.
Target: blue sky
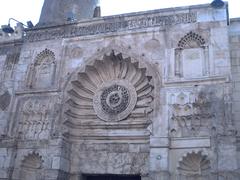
pixel 24 10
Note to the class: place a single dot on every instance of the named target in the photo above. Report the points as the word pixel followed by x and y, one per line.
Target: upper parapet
pixel 17 35
pixel 162 18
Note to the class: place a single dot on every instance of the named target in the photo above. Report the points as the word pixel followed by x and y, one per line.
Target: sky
pixel 25 10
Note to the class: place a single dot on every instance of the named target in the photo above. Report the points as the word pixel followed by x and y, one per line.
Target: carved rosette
pixel 111 89
pixel 115 100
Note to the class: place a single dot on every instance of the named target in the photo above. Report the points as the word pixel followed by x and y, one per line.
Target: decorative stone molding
pixel 42 72
pixel 194 164
pixel 111 89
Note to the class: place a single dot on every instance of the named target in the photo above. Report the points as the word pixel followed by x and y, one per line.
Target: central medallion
pixel 115 100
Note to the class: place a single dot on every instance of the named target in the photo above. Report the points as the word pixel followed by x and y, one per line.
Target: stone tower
pixel 60 11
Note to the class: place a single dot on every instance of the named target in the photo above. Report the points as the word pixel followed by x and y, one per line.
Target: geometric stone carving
pixel 5 100
pixel 191 40
pixel 111 89
pixel 190 113
pixel 34 123
pixel 31 167
pixel 194 164
pixel 42 73
pixel 114 101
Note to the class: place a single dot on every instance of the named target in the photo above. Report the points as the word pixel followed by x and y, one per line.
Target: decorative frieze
pixel 74 30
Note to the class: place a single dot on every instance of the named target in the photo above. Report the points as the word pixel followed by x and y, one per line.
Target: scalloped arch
pixel 194 163
pixel 42 55
pixel 191 37
pixel 32 159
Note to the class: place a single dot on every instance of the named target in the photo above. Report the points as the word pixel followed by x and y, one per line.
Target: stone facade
pixel 153 94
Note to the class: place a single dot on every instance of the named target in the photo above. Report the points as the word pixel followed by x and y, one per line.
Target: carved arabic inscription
pixel 108 27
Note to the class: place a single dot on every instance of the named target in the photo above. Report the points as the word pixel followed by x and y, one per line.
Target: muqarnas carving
pixel 191 114
pixel 112 89
pixel 32 167
pixel 42 72
pixel 195 165
pixel 191 57
pixel 35 119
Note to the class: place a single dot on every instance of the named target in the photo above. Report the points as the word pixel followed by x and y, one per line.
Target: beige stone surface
pixel 153 94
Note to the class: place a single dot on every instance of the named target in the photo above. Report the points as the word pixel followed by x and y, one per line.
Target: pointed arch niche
pixel 191 57
pixel 42 72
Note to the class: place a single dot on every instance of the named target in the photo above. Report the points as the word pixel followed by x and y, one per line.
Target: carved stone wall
pixel 35 118
pixel 150 94
pixel 191 113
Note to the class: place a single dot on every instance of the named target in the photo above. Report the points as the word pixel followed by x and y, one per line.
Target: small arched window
pixel 42 72
pixel 191 57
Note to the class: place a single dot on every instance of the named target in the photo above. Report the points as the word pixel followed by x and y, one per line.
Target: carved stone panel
pixel 35 121
pixel 190 113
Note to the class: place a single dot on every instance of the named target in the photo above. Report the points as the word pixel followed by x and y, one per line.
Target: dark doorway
pixel 112 177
